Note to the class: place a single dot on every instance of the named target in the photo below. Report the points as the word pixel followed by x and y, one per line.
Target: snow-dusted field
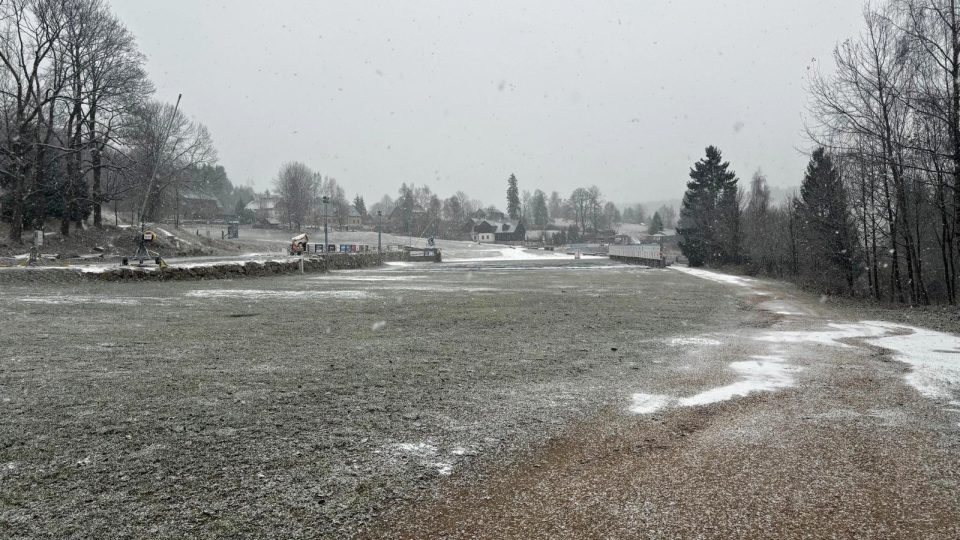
pixel 510 387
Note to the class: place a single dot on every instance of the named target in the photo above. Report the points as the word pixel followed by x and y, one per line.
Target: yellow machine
pixel 147 238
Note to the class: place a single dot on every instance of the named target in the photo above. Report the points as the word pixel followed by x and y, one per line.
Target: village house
pixel 351 220
pixel 266 211
pixel 398 222
pixel 538 235
pixel 198 206
pixel 488 232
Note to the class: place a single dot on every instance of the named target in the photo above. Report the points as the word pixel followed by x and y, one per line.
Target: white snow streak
pixel 675 342
pixel 649 403
pixel 264 293
pixel 934 356
pixel 739 281
pixel 761 374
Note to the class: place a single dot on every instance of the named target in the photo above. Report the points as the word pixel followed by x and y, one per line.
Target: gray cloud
pixel 459 95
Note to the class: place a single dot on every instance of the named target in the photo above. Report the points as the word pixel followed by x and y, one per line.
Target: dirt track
pixel 465 400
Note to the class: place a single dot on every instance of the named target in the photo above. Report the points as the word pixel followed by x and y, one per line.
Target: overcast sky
pixel 459 95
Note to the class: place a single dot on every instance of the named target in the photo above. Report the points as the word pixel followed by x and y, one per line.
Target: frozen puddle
pixel 760 374
pixel 266 293
pixel 934 356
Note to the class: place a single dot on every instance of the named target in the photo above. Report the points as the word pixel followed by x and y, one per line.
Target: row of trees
pixel 300 192
pixel 417 210
pixel 585 207
pixel 879 210
pixel 420 210
pixel 814 237
pixel 79 129
pixel 890 116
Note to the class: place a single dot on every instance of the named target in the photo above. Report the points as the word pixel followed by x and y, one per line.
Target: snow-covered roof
pixel 197 196
pixel 262 203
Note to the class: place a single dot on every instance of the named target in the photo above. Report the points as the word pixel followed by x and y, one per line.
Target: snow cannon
pixel 146 239
pixel 298 244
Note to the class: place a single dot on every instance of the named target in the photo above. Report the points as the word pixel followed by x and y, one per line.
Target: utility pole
pixel 326 243
pixel 380 231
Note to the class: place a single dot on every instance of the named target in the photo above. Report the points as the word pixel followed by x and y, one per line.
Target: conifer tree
pixel 709 226
pixel 828 245
pixel 360 205
pixel 513 198
pixel 656 224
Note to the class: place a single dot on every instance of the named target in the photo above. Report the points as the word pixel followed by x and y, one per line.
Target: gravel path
pixel 494 399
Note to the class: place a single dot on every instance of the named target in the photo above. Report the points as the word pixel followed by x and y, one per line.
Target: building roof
pixel 263 203
pixel 197 196
pixel 506 226
pixel 335 212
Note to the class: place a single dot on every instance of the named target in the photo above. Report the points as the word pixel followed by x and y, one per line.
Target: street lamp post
pixel 380 231
pixel 326 242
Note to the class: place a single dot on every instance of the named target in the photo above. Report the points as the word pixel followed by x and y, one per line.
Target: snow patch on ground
pixel 760 374
pixel 76 299
pixel 264 293
pixel 436 288
pixel 739 281
pixel 781 307
pixel 837 332
pixel 697 340
pixel 377 278
pixel 425 453
pixel 934 356
pixel 511 254
pixel 421 448
pixel 649 403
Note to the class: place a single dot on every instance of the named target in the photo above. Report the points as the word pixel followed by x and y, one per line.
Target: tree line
pixel 889 114
pixel 418 210
pixel 80 129
pixel 811 237
pixel 878 212
pixel 300 193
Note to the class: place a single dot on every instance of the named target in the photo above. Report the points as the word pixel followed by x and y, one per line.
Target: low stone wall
pixel 333 261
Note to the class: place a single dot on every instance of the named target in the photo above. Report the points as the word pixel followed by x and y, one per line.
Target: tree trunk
pixel 16 214
pixel 96 166
pixel 19 182
pixel 896 287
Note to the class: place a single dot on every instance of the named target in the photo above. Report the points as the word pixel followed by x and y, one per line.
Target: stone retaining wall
pixel 333 261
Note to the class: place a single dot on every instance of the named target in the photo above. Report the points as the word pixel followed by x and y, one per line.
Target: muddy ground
pixel 475 399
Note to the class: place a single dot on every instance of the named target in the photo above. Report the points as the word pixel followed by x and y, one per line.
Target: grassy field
pixel 296 406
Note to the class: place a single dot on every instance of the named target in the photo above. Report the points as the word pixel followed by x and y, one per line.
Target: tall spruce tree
pixel 513 198
pixel 827 237
pixel 541 216
pixel 656 224
pixel 709 226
